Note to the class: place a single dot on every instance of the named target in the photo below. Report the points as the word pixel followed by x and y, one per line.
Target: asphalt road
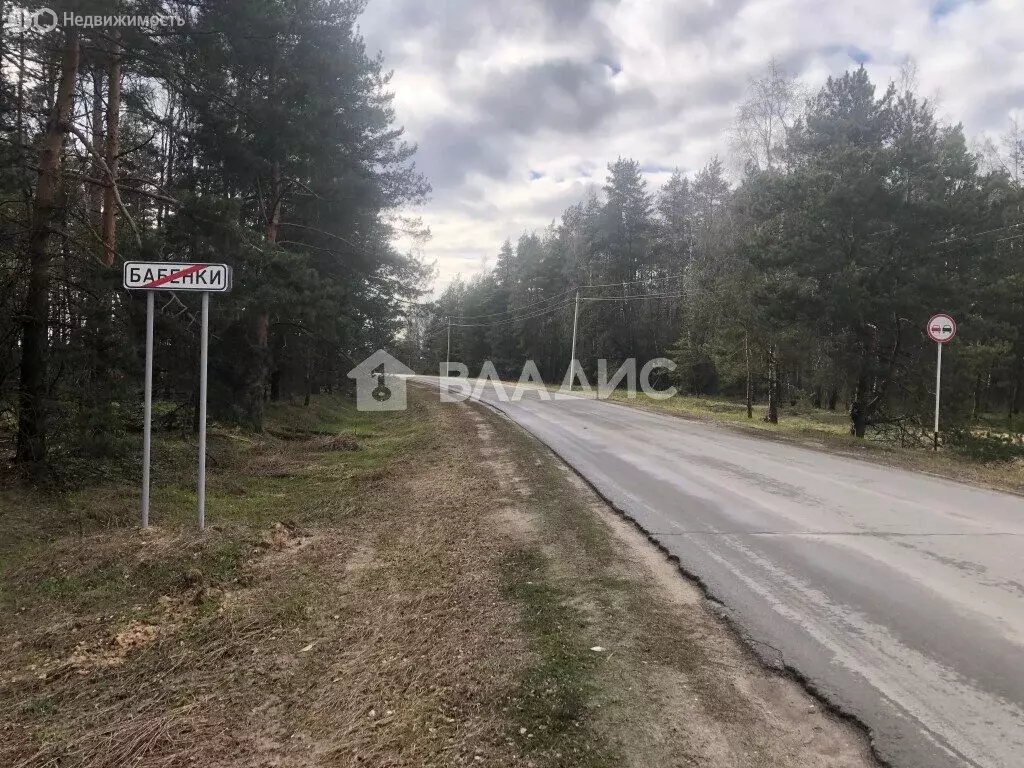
pixel 899 597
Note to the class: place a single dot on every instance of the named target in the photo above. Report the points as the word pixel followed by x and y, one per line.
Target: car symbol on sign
pixel 941 328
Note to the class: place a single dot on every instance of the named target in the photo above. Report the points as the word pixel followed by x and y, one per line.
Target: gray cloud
pixel 553 206
pixel 448 151
pixel 485 119
pixel 994 110
pixel 445 28
pixel 566 96
pixel 689 20
pixel 568 13
pixel 709 92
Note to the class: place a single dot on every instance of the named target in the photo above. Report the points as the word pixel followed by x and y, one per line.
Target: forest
pixel 859 214
pixel 269 142
pixel 260 135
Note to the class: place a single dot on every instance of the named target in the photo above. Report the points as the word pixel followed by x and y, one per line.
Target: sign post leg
pixel 203 354
pixel 147 429
pixel 938 388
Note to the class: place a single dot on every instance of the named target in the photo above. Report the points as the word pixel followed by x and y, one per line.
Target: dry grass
pixel 430 599
pixel 364 626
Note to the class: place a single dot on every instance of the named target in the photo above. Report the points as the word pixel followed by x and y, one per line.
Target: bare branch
pixel 80 135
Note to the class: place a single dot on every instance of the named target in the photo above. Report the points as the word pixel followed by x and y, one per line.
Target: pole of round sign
pixel 941 329
pixel 938 390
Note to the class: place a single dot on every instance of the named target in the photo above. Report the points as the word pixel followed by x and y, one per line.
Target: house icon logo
pixel 380 383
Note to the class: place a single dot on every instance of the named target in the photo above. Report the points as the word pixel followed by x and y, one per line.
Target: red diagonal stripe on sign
pixel 168 278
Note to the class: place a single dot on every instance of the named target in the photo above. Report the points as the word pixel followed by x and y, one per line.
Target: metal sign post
pixel 203 357
pixel 162 276
pixel 941 328
pixel 147 428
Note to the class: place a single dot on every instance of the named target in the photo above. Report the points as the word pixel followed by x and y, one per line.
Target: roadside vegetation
pixel 982 454
pixel 260 135
pixel 988 452
pixel 807 272
pixel 409 589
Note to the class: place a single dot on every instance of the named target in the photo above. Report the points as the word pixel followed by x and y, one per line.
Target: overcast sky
pixel 519 105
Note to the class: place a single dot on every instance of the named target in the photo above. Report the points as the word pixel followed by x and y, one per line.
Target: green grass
pixel 555 691
pixel 551 581
pixel 798 420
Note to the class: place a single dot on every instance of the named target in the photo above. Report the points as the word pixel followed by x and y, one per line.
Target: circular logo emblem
pixel 42 21
pixel 941 328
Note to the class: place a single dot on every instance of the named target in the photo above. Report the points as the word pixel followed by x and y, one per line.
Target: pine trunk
pixel 113 147
pixel 750 379
pixel 859 414
pixel 261 369
pixel 772 416
pixel 31 441
pixel 96 193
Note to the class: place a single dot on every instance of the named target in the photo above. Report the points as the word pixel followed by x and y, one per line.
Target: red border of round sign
pixel 929 328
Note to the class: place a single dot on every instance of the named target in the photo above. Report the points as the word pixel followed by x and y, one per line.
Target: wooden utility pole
pixel 575 325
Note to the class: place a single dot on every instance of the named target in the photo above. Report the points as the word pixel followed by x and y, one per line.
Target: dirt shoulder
pixel 671 684
pixel 429 588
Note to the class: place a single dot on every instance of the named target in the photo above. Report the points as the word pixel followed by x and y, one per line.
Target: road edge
pixel 774 665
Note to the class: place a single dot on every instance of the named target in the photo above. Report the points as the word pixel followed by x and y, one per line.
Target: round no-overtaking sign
pixel 941 328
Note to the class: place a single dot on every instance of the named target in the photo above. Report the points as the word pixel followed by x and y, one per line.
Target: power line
pixel 519 309
pixel 634 282
pixel 635 298
pixel 950 243
pixel 951 240
pixel 543 312
pixel 563 305
pixel 557 297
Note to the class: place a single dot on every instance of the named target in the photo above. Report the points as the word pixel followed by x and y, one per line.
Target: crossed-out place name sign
pixel 161 276
pixel 155 276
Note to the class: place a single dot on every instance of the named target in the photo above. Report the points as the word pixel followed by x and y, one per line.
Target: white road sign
pixel 164 276
pixel 941 328
pixel 154 276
